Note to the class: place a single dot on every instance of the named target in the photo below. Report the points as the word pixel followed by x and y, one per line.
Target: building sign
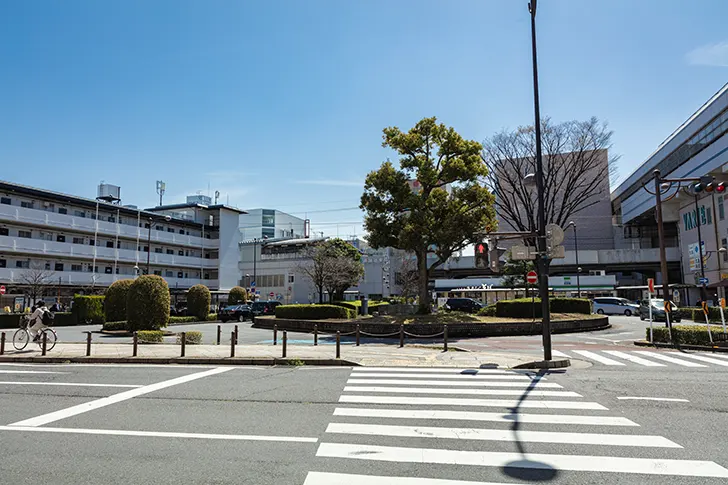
pixel 694 256
pixel 690 220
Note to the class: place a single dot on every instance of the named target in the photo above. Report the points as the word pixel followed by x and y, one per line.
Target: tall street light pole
pixel 543 263
pixel 576 254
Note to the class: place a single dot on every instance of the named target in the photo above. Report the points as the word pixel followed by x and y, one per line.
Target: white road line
pixel 510 377
pixel 706 359
pixel 68 384
pixel 321 478
pixel 6 371
pixel 481 416
pixel 722 356
pixel 122 396
pixel 602 360
pixel 481 392
pixel 556 353
pixel 162 434
pixel 635 359
pixel 434 370
pixel 635 398
pixel 408 382
pixel 493 403
pixel 611 464
pixel 640 441
pixel 667 358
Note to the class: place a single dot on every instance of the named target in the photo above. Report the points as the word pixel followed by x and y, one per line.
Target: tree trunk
pixel 321 294
pixel 424 293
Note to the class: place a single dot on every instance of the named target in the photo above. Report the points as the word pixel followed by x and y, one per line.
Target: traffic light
pixel 481 254
pixel 708 184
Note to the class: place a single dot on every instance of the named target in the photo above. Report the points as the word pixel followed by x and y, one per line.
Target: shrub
pixel 570 305
pixel 147 303
pixel 88 309
pixel 182 319
pixel 372 306
pixel 64 319
pixel 10 320
pixel 212 317
pixel 198 302
pixel 351 305
pixel 150 336
pixel 520 308
pixel 237 296
pixel 115 303
pixel 683 334
pixel 698 316
pixel 487 311
pixel 194 337
pixel 314 312
pixel 113 326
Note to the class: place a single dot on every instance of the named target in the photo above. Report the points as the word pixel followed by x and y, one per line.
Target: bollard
pixel 2 343
pixel 232 344
pixel 444 337
pixel 285 341
pixel 88 344
pixel 45 340
pixel 236 335
pixel 184 342
pixel 401 336
pixel 315 334
pixel 275 334
pixel 134 345
pixel 338 344
pixel 219 332
pixel 357 335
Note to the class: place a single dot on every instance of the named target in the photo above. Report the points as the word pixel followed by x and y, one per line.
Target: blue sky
pixel 280 104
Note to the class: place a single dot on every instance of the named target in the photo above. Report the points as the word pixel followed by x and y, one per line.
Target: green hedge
pixel 147 303
pixel 685 313
pixel 150 336
pixel 570 305
pixel 88 309
pixel 314 312
pixel 183 319
pixel 372 306
pixel 194 337
pixel 114 326
pixel 115 302
pixel 10 320
pixel 198 302
pixel 713 315
pixel 683 334
pixel 487 311
pixel 64 319
pixel 237 295
pixel 524 307
pixel 212 317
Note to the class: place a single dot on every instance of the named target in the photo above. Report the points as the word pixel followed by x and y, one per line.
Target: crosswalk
pixel 646 358
pixel 401 426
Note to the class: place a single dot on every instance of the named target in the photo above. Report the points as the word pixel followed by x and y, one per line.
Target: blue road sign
pixel 703 281
pixel 252 285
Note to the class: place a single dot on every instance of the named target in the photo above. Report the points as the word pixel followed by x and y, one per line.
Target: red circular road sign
pixel 271 294
pixel 531 277
pixel 2 290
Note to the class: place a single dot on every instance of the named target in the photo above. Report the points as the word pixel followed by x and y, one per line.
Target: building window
pixel 111 219
pixel 22 264
pixel 169 229
pixel 721 208
pixel 78 213
pixel 5 200
pixel 159 228
pixel 179 274
pixel 158 272
pixel 92 242
pixel 4 231
pixel 268 232
pixel 182 231
pixel 25 234
pixel 207 276
pixel 169 274
pixel 146 225
pixel 27 205
pixel 181 253
pixel 158 250
pixel 110 244
pixel 61 238
pixel 291 278
pixel 59 267
pixel 62 210
pixel 109 270
pixel 170 251
pixel 47 266
pixel 146 249
pixel 76 267
pixel 3 263
pixel 77 240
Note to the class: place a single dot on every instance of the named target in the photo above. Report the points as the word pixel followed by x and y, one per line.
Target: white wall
pixel 229 255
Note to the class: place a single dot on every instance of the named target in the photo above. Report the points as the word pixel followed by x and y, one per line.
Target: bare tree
pixel 314 268
pixel 342 272
pixel 334 266
pixel 576 174
pixel 35 280
pixel 408 278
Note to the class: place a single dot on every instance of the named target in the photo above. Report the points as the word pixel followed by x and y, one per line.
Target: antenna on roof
pixel 217 196
pixel 161 189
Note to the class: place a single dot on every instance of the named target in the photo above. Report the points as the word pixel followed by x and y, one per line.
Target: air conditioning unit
pixel 597 272
pixel 46 203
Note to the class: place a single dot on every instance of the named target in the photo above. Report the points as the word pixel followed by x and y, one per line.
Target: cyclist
pixel 36 323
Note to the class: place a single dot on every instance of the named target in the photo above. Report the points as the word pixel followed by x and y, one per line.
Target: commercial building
pixel 271 224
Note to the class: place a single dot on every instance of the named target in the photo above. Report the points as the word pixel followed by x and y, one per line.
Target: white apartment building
pixel 272 224
pixel 80 243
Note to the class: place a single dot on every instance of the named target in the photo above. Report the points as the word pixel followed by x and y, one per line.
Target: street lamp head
pixel 722 250
pixel 529 180
pixel 572 224
pixel 167 218
pixel 578 269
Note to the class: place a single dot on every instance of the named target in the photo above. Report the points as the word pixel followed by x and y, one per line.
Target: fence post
pixel 134 345
pixel 357 335
pixel 315 334
pixel 275 334
pixel 45 340
pixel 236 335
pixel 184 342
pixel 219 332
pixel 338 344
pixel 444 335
pixel 88 344
pixel 285 341
pixel 232 344
pixel 2 343
pixel 401 336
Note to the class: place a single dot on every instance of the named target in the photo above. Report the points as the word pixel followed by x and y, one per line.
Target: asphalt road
pixel 325 426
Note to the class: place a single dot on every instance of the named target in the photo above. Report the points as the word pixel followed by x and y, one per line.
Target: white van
pixel 609 305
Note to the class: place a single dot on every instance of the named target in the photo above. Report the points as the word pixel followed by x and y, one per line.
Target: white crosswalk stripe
pixel 319 478
pixel 463 377
pixel 644 358
pixel 668 358
pixel 449 383
pixel 710 360
pixel 480 392
pixel 449 401
pixel 633 358
pixel 594 356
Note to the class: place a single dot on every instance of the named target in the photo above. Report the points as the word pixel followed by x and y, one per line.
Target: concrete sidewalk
pixel 365 355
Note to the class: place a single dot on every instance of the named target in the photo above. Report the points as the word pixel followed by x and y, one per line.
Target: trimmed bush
pixel 487 311
pixel 10 320
pixel 685 313
pixel 237 295
pixel 713 315
pixel 314 312
pixel 570 305
pixel 194 337
pixel 150 336
pixel 212 317
pixel 683 334
pixel 373 306
pixel 524 307
pixel 183 319
pixel 198 302
pixel 88 309
pixel 64 319
pixel 147 303
pixel 115 302
pixel 114 326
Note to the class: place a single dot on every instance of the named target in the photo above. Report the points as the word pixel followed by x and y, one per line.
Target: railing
pixel 75 278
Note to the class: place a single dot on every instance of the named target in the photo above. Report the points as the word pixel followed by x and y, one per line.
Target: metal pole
pixel 2 343
pixel 135 341
pixel 88 344
pixel 663 257
pixel 255 265
pixel 45 341
pixel 401 335
pixel 275 334
pixel 315 334
pixel 444 337
pixel 219 331
pixel 357 335
pixel 338 344
pixel 578 269
pixel 236 335
pixel 232 344
pixel 543 263
pixel 285 343
pixel 184 341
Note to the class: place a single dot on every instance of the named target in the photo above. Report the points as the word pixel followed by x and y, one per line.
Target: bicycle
pixel 21 337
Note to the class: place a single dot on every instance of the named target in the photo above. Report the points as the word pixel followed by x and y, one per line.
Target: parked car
pixel 615 306
pixel 234 312
pixel 264 307
pixel 467 305
pixel 658 311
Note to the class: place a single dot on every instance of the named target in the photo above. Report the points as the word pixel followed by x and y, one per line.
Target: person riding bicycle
pixel 37 321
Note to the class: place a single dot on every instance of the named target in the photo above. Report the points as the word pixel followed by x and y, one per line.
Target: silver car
pixel 609 305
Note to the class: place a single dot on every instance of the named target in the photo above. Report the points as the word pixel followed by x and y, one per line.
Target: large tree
pixel 576 170
pixel 333 265
pixel 434 203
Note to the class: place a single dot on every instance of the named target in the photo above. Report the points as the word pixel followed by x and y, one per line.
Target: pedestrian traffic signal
pixel 481 254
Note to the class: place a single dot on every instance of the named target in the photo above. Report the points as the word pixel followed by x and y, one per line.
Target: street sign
pixel 651 284
pixel 722 302
pixel 522 253
pixel 676 296
pixel 531 277
pixel 271 294
pixel 703 281
pixel 252 285
pixel 554 234
pixel 557 252
pixel 2 290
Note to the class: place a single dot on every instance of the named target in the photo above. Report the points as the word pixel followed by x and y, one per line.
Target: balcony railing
pixel 11 276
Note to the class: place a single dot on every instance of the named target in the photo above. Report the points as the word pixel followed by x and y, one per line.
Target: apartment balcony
pixel 54 250
pixel 52 221
pixel 12 276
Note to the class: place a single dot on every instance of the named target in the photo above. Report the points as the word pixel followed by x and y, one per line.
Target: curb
pixel 645 343
pixel 266 361
pixel 545 364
